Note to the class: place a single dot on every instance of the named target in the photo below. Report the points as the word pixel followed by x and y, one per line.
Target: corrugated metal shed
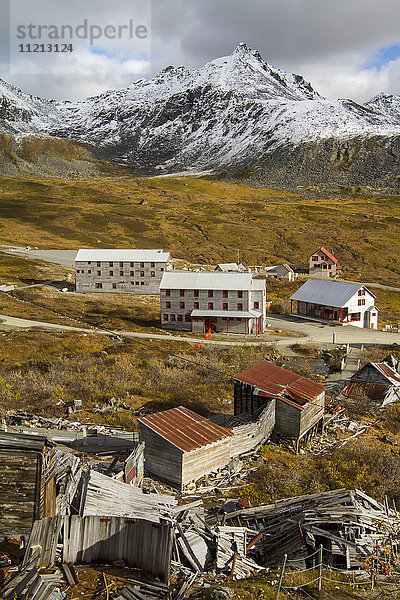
pixel 122 255
pixel 327 293
pixel 274 381
pixel 184 428
pixel 213 280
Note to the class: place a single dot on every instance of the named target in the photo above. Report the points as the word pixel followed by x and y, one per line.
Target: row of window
pixel 196 293
pixel 121 273
pixel 361 302
pixel 122 264
pixel 188 318
pixel 225 305
pixel 99 286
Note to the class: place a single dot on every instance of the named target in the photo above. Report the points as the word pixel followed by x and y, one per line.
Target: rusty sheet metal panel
pixel 275 381
pixel 184 428
pixel 139 543
pixel 375 391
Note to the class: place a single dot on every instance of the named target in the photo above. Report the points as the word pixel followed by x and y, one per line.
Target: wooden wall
pixel 248 436
pixel 204 460
pixel 139 543
pixel 311 414
pixel 161 457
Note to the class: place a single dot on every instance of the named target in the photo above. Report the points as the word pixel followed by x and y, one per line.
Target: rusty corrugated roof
pixel 374 391
pixel 388 371
pixel 184 428
pixel 275 382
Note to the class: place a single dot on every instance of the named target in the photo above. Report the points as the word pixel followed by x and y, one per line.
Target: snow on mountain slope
pixel 229 113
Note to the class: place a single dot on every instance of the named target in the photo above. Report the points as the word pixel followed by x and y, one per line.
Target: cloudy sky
pixel 345 48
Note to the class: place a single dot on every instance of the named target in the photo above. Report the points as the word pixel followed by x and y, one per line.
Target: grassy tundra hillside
pixel 203 221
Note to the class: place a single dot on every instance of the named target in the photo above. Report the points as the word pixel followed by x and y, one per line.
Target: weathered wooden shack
pixel 379 382
pixel 182 446
pixel 300 402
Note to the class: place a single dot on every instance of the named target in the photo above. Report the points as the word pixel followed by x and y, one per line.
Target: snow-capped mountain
pixel 235 113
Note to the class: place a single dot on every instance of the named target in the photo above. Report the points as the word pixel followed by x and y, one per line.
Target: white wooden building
pixel 336 301
pixel 120 271
pixel 224 302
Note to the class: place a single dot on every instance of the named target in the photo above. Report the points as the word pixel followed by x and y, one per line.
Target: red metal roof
pixel 388 371
pixel 372 390
pixel 274 381
pixel 184 428
pixel 328 254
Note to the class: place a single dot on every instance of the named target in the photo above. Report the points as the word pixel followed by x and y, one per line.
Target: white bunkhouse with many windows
pixel 336 301
pixel 224 302
pixel 120 271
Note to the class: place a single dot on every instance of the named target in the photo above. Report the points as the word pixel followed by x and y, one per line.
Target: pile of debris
pixel 350 526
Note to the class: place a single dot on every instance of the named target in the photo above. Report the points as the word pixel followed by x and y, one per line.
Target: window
pixel 99 273
pixel 329 266
pixel 152 265
pixel 121 273
pixel 89 262
pixel 141 273
pixel 152 274
pixel 167 292
pixel 361 292
pixel 99 264
pixel 141 265
pixel 238 318
pixel 225 306
pixel 78 271
pixel 99 286
pixel 210 294
pixel 361 302
pixel 315 258
pixel 180 318
pixel 168 305
pixel 161 269
pixel 196 293
pixel 114 286
pixel 132 273
pixel 240 294
pixel 137 283
pixel 172 318
pixel 142 283
pixel 165 317
pixel 89 271
pixel 355 317
pixel 181 305
pixel 181 292
pixel 211 306
pixel 121 264
pixel 110 264
pixel 240 306
pixel 256 305
pixel 196 306
pixel 188 318
pixel 132 283
pixel 131 264
pixel 111 273
pixel 225 294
